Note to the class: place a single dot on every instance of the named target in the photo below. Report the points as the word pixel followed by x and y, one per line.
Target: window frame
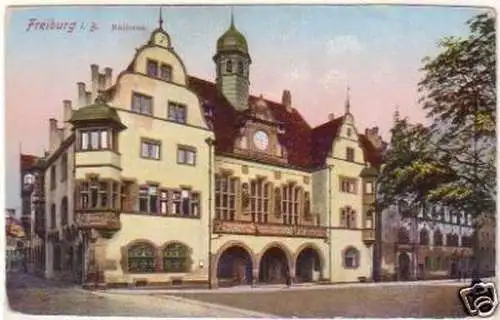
pixel 150 154
pixel 181 255
pixel 173 109
pixel 155 63
pixel 149 258
pixel 165 66
pixel 291 203
pixel 184 150
pixel 348 185
pixel 225 211
pixel 103 134
pixel 141 110
pixel 350 154
pixel 260 199
pixel 353 255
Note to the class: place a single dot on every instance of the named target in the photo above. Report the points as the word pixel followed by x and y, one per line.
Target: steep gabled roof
pixel 28 161
pixel 322 139
pixel 226 123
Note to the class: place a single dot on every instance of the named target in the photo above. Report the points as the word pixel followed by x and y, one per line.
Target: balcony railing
pixel 108 220
pixel 268 229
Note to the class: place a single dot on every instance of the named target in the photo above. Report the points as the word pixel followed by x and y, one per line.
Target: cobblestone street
pixel 384 300
pixel 31 295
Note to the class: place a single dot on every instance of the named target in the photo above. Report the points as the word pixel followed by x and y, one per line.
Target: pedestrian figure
pixel 288 280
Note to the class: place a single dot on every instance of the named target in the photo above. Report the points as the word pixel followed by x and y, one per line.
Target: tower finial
pixel 232 17
pixel 160 20
pixel 348 101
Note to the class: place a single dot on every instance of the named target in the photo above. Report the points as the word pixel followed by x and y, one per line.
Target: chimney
pixel 81 94
pixel 53 134
pixel 101 83
pixel 67 110
pixel 94 72
pixel 88 98
pixel 108 73
pixel 286 100
pixel 331 116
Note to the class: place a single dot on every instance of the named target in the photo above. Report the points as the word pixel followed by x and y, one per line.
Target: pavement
pixel 298 286
pixel 29 294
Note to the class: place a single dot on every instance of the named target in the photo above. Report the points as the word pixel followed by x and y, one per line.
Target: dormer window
pixel 152 68
pixel 166 72
pixel 229 66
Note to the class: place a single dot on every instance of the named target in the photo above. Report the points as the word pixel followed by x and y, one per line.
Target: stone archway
pixel 308 265
pixel 404 266
pixel 274 265
pixel 235 266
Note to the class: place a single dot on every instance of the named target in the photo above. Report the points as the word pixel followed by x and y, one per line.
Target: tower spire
pixel 348 101
pixel 160 20
pixel 396 115
pixel 232 17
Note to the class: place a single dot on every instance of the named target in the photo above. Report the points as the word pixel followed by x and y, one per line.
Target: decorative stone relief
pixel 244 169
pixel 277 175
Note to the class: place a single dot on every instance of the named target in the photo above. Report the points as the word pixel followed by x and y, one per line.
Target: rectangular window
pixel 64 167
pixel 185 203
pixel 53 177
pixel 369 187
pixel 177 112
pixel 166 72
pixel 186 155
pixel 142 104
pixel 259 200
pixel 164 202
pixel 152 68
pixel 150 149
pixel 350 154
pixel 348 185
pixel 290 204
pixel 94 140
pixel 225 197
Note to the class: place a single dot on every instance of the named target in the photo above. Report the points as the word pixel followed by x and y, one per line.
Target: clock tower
pixel 232 62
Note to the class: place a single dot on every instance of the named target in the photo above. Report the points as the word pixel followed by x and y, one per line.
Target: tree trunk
pixel 476 246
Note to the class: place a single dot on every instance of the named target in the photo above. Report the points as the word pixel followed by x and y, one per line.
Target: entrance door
pixel 404 266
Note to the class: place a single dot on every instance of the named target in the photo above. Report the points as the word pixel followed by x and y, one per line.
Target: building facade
pixel 434 243
pixel 160 177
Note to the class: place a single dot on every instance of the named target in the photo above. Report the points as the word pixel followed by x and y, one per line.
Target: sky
pixel 316 52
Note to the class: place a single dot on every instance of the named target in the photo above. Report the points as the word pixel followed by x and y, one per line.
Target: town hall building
pixel 159 177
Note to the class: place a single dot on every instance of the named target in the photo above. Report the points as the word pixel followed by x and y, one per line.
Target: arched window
pixel 229 66
pixel 403 236
pixel 176 258
pixel 438 238
pixel 351 258
pixel 424 237
pixel 64 211
pixel 141 258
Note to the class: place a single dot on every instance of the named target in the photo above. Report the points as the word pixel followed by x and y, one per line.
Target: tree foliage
pixel 453 160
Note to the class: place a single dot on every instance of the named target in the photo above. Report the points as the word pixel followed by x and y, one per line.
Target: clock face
pixel 261 140
pixel 161 39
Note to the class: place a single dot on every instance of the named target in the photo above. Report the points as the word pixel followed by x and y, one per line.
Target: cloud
pixel 332 78
pixel 344 44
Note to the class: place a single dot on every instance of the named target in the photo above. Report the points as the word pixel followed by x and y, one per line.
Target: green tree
pixel 451 161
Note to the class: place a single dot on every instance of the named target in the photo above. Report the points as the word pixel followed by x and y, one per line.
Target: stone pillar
pixel 97 255
pixel 49 259
pixel 255 276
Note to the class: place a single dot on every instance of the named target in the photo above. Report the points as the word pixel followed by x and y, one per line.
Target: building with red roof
pixel 161 177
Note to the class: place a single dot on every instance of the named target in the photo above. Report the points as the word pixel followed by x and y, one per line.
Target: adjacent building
pixel 434 243
pixel 160 177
